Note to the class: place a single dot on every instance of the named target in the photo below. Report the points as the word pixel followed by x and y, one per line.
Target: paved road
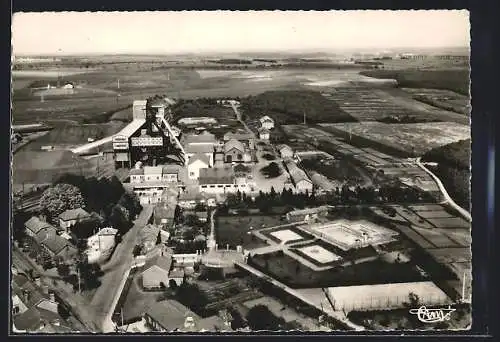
pixel 450 201
pixel 116 269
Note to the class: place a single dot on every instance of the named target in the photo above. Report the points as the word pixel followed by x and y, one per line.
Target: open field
pixel 236 230
pixel 40 167
pixel 68 136
pixel 416 138
pixel 444 99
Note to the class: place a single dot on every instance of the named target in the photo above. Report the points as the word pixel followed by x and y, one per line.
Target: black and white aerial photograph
pixel 232 171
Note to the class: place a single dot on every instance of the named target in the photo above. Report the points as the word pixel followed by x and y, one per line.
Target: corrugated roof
pixel 199 156
pixel 74 214
pixel 132 127
pixel 218 175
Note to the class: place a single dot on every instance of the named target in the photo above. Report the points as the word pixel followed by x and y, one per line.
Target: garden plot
pixel 286 235
pixel 319 254
pixel 412 138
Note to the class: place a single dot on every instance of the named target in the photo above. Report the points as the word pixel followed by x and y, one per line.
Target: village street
pixel 115 270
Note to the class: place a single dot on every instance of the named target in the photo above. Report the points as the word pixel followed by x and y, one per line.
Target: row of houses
pixel 50 239
pixel 301 182
pixel 34 308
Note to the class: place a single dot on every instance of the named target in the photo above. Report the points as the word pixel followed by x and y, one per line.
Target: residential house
pixel 148 237
pixel 170 173
pixel 235 151
pixel 196 163
pixel 245 138
pixel 264 133
pixel 285 151
pixel 266 122
pixel 219 158
pixel 33 308
pixel 169 316
pixel 156 272
pixel 35 226
pixel 101 244
pixel 203 143
pixel 189 199
pixel 202 216
pixel 302 183
pixel 217 180
pixel 71 217
pixel 57 246
pixel 164 215
pixel 150 182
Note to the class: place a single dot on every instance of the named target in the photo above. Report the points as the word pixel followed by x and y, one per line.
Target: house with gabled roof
pixel 236 152
pixel 196 163
pixel 35 225
pixel 71 217
pixel 266 122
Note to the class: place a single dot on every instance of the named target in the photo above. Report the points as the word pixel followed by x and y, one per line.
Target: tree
pixel 271 171
pixel 119 218
pixel 59 198
pixel 172 284
pixel 158 238
pixel 89 274
pixel 63 270
pixel 177 214
pixel 261 318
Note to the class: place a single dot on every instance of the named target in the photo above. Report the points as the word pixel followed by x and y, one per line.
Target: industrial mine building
pixel 149 138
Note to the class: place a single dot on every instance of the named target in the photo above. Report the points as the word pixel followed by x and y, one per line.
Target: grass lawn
pixel 291 272
pixel 234 230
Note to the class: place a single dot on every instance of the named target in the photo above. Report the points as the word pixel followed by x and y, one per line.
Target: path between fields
pixel 238 116
pixel 115 273
pixel 461 210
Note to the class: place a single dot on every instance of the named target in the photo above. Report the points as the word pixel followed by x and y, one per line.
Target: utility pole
pixel 463 287
pixel 79 282
pixel 98 157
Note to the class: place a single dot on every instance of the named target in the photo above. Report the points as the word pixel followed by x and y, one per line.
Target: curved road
pixel 447 197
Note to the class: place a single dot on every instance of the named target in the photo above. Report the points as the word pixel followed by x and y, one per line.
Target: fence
pixel 385 302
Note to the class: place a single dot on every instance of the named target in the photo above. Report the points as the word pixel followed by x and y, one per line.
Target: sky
pixel 229 31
